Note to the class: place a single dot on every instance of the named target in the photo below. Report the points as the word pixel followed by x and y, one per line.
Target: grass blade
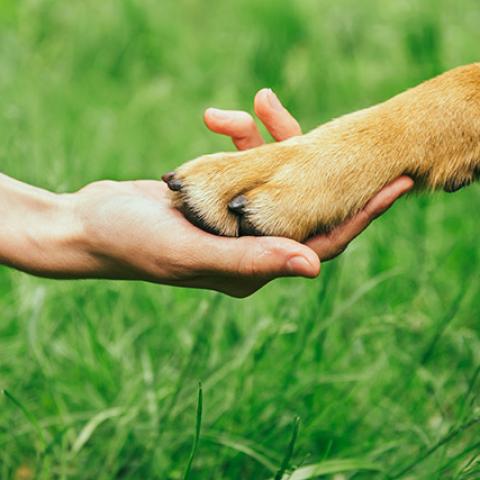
pixel 330 467
pixel 244 447
pixel 92 425
pixel 443 441
pixel 196 439
pixel 290 449
pixel 29 416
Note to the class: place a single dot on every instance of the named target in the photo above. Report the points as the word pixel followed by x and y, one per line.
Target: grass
pixel 379 357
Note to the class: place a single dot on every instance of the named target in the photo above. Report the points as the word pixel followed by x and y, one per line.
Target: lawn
pixel 378 358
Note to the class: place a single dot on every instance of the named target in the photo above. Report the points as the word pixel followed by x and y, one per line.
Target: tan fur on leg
pixel 313 182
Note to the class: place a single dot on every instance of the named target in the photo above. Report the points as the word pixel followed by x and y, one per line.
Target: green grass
pixel 379 357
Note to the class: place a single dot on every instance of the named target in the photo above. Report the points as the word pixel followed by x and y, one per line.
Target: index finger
pixel 238 125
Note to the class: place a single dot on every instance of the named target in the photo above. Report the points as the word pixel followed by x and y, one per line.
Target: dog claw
pixel 172 182
pixel 238 204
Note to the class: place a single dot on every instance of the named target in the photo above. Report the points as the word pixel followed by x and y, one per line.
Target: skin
pixel 128 230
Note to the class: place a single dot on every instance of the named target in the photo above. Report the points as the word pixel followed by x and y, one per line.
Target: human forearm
pixel 39 233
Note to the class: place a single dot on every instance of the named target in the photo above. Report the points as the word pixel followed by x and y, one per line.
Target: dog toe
pixel 172 181
pixel 238 204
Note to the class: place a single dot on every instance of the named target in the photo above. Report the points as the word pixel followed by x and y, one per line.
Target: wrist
pixel 40 233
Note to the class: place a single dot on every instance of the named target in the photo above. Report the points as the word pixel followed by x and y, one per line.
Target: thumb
pixel 268 257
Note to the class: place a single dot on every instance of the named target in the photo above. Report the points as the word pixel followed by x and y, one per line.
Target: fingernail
pixel 273 100
pixel 215 112
pixel 299 266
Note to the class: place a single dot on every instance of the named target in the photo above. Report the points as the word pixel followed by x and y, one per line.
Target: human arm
pixel 128 230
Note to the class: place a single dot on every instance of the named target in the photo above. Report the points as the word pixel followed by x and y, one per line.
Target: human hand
pixel 241 127
pixel 134 232
pixel 128 230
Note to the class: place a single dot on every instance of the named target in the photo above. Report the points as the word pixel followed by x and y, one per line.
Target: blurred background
pixel 379 357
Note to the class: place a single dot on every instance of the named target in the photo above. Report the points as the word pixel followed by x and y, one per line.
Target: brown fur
pixel 313 182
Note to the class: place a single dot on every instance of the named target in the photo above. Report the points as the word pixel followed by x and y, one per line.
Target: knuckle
pixel 249 130
pixel 247 265
pixel 251 263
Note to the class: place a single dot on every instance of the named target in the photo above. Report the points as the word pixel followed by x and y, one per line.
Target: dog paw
pixel 279 189
pixel 311 183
